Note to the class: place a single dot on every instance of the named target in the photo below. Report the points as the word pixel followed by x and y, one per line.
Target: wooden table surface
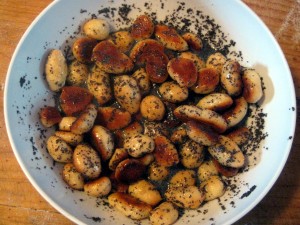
pixel 20 203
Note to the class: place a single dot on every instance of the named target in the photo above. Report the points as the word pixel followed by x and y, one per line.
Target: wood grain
pixel 283 19
pixel 20 203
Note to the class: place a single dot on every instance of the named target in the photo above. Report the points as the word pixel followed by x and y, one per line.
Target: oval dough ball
pixel 97 28
pixel 206 170
pixel 213 188
pixel 192 154
pixel 152 108
pixel 145 191
pixel 172 92
pixel 87 161
pixel 78 73
pixel 56 70
pixel 59 150
pixel 72 177
pixel 127 93
pixel 164 214
pixel 98 188
pixel 157 172
pixel 139 145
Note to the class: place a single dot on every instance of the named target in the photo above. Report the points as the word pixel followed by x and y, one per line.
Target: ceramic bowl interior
pixel 229 27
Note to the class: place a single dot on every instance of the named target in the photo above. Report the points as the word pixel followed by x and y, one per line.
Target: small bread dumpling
pixel 152 108
pixel 98 29
pixel 164 214
pixel 56 70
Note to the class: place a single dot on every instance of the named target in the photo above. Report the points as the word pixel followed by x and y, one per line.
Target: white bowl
pixel 26 92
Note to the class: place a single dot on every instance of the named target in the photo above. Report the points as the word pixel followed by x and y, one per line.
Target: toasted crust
pixel 183 71
pixel 118 156
pixel 113 118
pixel 201 133
pixel 142 49
pixel 237 113
pixel 142 27
pixel 169 37
pixel 82 49
pixel 240 135
pixel 225 170
pixel 74 100
pixel 252 91
pixel 156 67
pixel 206 116
pixel 85 121
pixel 133 129
pixel 195 58
pixel 215 102
pixel 129 170
pixel 193 41
pixel 165 152
pixel 129 206
pixel 110 59
pixel 103 141
pixel 49 116
pixel 207 81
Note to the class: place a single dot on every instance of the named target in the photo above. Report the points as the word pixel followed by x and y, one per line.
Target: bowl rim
pixel 280 167
pixel 74 219
pixel 8 128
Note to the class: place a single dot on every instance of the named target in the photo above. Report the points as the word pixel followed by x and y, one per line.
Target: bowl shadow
pixel 281 204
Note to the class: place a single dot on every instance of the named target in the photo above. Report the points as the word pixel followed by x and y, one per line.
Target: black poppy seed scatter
pixel 214 40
